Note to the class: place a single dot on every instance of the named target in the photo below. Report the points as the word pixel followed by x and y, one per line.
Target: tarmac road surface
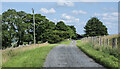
pixel 69 56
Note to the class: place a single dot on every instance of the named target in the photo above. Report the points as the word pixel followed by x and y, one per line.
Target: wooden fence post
pixel 100 41
pixel 108 42
pixel 114 43
pixel 95 40
pixel 92 40
pixel 103 41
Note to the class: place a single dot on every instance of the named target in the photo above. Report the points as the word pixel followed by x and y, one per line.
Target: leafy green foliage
pixel 72 32
pixel 28 38
pixel 94 27
pixel 108 50
pixel 18 27
pixel 8 19
pixel 61 26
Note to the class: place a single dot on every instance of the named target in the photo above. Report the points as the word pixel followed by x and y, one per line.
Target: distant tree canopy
pixel 18 27
pixel 95 27
pixel 61 26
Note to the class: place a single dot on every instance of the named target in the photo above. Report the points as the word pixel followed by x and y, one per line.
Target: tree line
pixel 18 27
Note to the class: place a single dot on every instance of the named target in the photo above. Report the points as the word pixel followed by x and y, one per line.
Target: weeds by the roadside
pixel 99 54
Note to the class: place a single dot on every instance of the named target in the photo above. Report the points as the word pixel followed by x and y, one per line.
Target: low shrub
pixel 39 42
pixel 25 43
pixel 14 44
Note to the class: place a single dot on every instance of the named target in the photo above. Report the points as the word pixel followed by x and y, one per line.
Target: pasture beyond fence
pixel 102 41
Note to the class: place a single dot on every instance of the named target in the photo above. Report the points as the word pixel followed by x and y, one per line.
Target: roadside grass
pixel 108 50
pixel 28 56
pixel 105 59
pixel 11 52
pixel 66 42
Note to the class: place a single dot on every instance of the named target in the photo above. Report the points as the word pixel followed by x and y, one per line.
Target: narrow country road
pixel 69 56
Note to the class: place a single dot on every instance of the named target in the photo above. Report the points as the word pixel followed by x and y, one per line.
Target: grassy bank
pixel 100 57
pixel 28 56
pixel 11 52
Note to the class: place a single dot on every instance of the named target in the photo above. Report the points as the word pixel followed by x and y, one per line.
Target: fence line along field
pixel 103 49
pixel 106 44
pixel 110 40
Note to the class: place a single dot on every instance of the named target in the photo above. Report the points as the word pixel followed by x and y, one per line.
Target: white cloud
pixel 66 17
pixel 46 11
pixel 114 14
pixel 108 16
pixel 79 12
pixel 109 9
pixel 55 19
pixel 77 20
pixel 65 3
pixel 69 19
pixel 110 20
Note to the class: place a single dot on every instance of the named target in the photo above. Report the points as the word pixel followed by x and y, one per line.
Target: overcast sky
pixel 72 13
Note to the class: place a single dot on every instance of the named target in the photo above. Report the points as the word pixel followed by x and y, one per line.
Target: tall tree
pixel 41 23
pixel 73 28
pixel 13 27
pixel 95 27
pixel 72 32
pixel 20 27
pixel 61 26
pixel 8 28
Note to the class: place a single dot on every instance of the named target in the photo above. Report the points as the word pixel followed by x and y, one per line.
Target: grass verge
pixel 66 42
pixel 105 59
pixel 30 58
pixel 11 52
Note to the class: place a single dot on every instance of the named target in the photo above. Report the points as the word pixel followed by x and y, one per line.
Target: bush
pixel 54 36
pixel 39 42
pixel 54 39
pixel 14 44
pixel 25 43
pixel 114 52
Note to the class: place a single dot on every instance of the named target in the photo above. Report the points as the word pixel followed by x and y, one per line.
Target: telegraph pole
pixel 34 25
